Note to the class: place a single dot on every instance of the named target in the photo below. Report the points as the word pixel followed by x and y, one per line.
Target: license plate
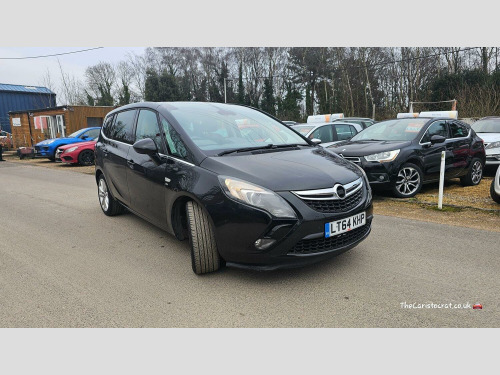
pixel 345 225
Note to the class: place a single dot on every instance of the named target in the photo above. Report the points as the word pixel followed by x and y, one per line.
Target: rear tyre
pixel 86 157
pixel 493 193
pixel 475 173
pixel 408 181
pixel 109 205
pixel 204 255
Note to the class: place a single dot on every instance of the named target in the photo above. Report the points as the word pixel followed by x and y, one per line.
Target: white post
pixel 441 180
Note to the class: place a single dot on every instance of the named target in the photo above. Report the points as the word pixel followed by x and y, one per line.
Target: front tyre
pixel 493 193
pixel 86 157
pixel 109 205
pixel 204 255
pixel 474 175
pixel 408 181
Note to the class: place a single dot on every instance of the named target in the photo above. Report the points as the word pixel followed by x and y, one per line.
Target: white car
pixel 328 132
pixel 488 129
pixel 495 187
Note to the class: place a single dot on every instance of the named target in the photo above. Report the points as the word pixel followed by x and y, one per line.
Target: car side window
pixel 108 123
pixel 353 131
pixel 344 132
pixel 123 127
pixel 176 146
pixel 91 134
pixel 436 128
pixel 325 133
pixel 147 127
pixel 458 130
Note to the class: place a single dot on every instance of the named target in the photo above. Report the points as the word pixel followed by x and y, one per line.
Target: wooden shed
pixel 33 126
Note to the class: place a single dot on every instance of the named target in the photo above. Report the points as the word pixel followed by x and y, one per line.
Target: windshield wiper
pixel 246 149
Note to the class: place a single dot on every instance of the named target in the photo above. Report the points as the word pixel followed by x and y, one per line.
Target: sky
pixel 32 71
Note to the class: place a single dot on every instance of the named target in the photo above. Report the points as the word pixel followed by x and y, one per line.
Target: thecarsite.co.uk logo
pixel 450 305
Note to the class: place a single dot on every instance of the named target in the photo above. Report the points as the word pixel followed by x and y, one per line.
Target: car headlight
pixel 383 157
pixel 71 149
pixel 493 145
pixel 257 196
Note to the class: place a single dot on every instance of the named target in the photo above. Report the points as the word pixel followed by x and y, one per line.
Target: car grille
pixel 319 245
pixel 353 159
pixel 336 205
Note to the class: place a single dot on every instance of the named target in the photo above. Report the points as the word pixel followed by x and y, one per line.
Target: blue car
pixel 48 148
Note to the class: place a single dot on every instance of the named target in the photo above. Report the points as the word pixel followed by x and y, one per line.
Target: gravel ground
pixel 46 163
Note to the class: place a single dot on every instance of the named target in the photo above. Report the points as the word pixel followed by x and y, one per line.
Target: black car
pixel 402 154
pixel 241 186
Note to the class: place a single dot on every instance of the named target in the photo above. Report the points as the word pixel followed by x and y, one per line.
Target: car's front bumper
pixel 68 157
pixel 44 152
pixel 493 156
pixel 380 175
pixel 298 241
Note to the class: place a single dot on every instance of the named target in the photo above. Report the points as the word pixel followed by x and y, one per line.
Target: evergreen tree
pixel 268 102
pixel 90 99
pixel 241 88
pixel 124 95
pixel 151 86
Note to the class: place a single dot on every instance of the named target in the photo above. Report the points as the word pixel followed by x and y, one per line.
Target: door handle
pixel 130 163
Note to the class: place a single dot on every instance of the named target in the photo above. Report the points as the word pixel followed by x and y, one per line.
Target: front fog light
pixel 264 243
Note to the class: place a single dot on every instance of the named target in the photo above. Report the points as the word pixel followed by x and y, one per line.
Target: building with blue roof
pixel 21 97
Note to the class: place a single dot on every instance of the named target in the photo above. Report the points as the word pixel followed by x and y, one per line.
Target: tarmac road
pixel 63 263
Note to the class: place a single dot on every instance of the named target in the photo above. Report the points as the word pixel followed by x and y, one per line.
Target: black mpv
pixel 244 188
pixel 403 154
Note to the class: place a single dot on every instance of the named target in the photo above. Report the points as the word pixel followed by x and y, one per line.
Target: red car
pixel 82 153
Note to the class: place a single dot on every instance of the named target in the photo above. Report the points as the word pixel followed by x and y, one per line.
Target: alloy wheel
pixel 103 195
pixel 408 181
pixel 477 172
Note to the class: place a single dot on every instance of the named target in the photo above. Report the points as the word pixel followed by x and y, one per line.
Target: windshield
pixel 392 130
pixel 222 127
pixel 75 134
pixel 490 125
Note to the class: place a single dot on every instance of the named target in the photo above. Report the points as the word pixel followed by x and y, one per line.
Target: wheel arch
pixel 178 216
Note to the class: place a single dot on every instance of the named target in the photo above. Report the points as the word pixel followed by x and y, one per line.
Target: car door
pixel 116 144
pixel 145 173
pixel 459 144
pixel 180 172
pixel 345 132
pixel 325 133
pixel 431 153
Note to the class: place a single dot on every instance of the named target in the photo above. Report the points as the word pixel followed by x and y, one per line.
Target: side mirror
pixel 316 141
pixel 437 139
pixel 145 146
pixel 85 137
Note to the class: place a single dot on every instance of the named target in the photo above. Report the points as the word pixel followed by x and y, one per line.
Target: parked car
pixel 48 148
pixel 77 153
pixel 495 187
pixel 280 201
pixel 488 129
pixel 363 121
pixel 328 132
pixel 402 154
